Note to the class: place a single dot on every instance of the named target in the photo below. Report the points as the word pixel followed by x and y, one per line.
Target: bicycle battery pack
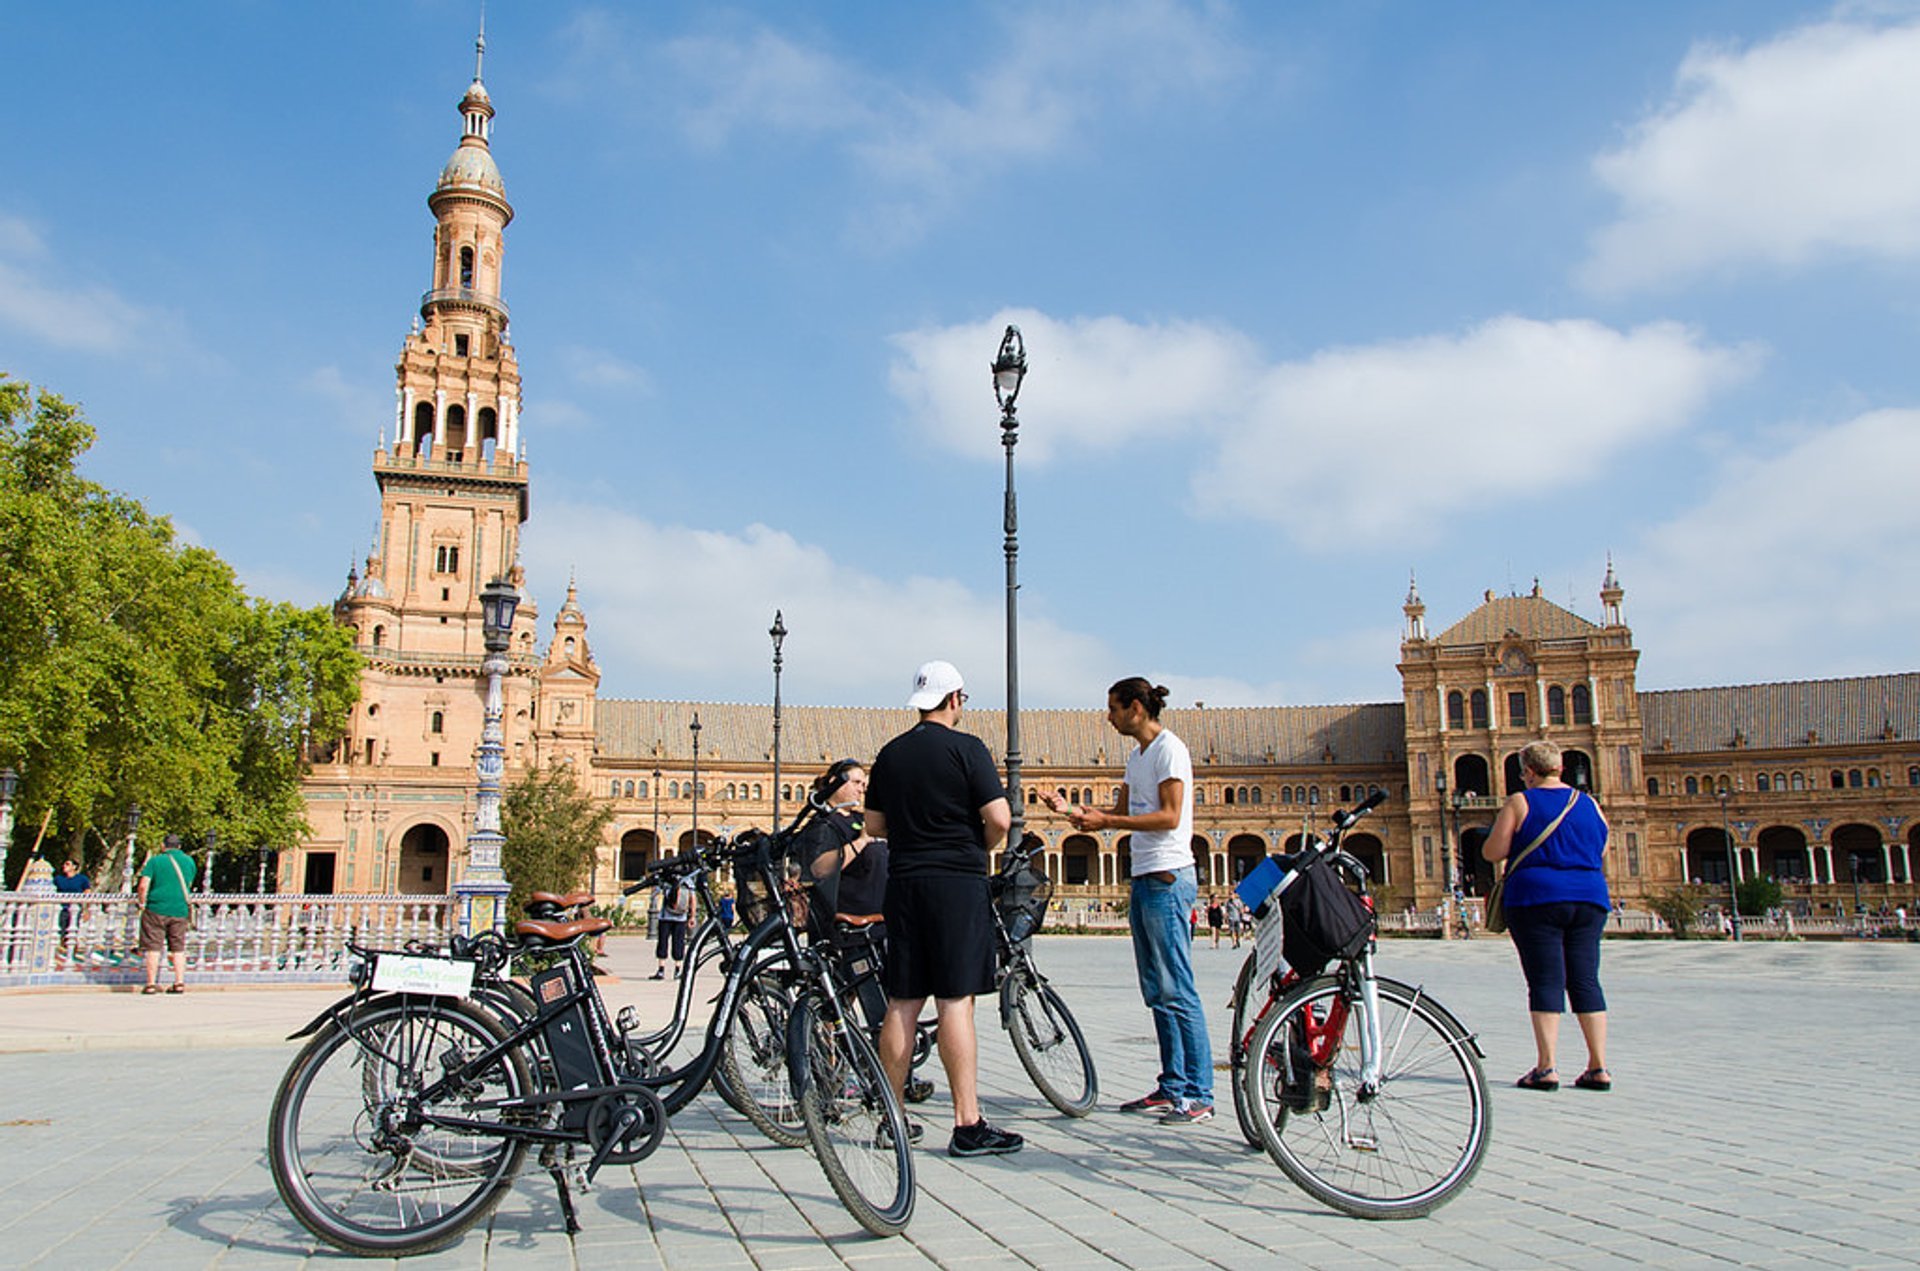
pixel 569 1040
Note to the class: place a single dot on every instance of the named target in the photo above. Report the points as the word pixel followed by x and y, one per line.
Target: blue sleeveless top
pixel 1569 866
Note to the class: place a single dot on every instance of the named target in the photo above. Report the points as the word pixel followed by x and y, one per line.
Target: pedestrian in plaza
pixel 933 793
pixel 1556 904
pixel 676 911
pixel 1216 918
pixel 166 882
pixel 1236 918
pixel 1155 805
pixel 69 881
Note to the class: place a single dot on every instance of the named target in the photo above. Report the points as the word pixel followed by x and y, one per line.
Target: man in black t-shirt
pixel 935 796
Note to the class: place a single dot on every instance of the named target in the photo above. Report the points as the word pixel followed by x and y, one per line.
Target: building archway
pixel 424 866
pixel 1783 854
pixel 1577 770
pixel 1511 783
pixel 1372 853
pixel 1079 856
pixel 1707 859
pixel 686 840
pixel 1858 854
pixel 1470 775
pixel 1202 860
pixel 638 849
pixel 1244 852
pixel 1476 872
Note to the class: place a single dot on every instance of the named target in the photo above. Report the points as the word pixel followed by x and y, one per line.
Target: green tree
pixel 134 668
pixel 553 830
pixel 1679 907
pixel 1757 895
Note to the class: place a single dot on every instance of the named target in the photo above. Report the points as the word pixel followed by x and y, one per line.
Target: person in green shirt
pixel 166 880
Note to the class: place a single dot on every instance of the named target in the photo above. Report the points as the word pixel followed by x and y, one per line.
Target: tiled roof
pixel 812 735
pixel 1533 617
pixel 1769 715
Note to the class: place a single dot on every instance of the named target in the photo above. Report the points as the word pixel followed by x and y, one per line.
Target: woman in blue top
pixel 1557 905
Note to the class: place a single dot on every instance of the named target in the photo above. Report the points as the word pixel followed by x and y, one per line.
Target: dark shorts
pixel 939 937
pixel 158 932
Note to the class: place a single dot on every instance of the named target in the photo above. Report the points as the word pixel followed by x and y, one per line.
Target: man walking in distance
pixel 933 793
pixel 166 881
pixel 1156 807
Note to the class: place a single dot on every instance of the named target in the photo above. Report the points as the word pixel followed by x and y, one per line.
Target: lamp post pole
pixel 656 813
pixel 1446 860
pixel 1733 868
pixel 206 878
pixel 694 728
pixel 133 830
pixel 779 633
pixel 1009 369
pixel 483 887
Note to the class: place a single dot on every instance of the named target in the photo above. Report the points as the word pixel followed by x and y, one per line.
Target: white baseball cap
pixel 931 684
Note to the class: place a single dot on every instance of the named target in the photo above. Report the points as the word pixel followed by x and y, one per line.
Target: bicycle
pixel 1367 1092
pixel 408 1114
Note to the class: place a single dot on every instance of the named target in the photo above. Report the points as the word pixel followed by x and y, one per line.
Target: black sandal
pixel 1538 1079
pixel 1594 1079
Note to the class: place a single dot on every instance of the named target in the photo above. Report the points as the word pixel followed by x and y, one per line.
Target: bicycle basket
pixel 1021 892
pixel 752 899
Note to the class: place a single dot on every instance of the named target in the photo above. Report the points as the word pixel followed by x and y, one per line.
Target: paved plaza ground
pixel 1762 1116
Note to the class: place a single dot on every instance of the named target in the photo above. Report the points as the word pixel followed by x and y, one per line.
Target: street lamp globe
pixel 498 601
pixel 1009 368
pixel 9 782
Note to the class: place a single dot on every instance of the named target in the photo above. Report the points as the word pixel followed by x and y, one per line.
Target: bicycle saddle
pixel 571 900
pixel 560 932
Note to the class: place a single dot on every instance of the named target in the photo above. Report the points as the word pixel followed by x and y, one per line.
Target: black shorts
pixel 939 937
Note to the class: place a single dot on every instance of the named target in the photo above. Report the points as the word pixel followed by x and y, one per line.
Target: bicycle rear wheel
pixel 853 1121
pixel 1400 1151
pixel 354 1151
pixel 1049 1042
pixel 752 1074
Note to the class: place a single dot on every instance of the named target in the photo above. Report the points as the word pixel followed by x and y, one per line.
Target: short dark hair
pixel 827 783
pixel 170 842
pixel 1135 688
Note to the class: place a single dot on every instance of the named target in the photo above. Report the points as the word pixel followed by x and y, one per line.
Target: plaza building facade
pixel 1813 783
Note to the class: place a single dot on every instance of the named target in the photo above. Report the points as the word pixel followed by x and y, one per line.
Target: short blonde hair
pixel 1542 758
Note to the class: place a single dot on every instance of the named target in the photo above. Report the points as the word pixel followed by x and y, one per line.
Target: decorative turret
pixel 1416 612
pixel 1611 594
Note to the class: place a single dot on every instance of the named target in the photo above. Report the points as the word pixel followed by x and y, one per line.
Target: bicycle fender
pixel 799 1021
pixel 338 1013
pixel 1008 986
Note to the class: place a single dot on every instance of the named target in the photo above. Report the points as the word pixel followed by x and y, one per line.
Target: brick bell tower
pixel 453 496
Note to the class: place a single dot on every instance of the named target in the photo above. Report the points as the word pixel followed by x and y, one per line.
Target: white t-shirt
pixel 1165 757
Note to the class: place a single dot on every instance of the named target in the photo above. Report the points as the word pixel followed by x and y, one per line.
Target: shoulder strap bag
pixel 1496 899
pixel 181 878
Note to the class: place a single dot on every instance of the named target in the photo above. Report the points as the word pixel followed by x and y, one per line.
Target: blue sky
pixel 1315 296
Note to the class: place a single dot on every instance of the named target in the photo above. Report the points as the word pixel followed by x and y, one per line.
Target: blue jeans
pixel 1162 941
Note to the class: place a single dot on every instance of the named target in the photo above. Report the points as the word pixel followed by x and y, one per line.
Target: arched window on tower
pixel 466 267
pixel 379 636
pixel 488 432
pixel 1582 704
pixel 1228 798
pixel 456 438
pixel 1479 704
pixel 423 430
pixel 1693 785
pixel 1456 710
pixel 437 722
pixel 1653 785
pixel 1763 783
pixel 1556 705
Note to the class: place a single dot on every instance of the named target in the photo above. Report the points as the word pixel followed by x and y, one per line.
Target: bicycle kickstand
pixel 560 1170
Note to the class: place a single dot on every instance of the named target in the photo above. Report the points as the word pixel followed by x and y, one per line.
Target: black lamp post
pixel 694 728
pixel 779 633
pixel 483 890
pixel 1733 866
pixel 1009 369
pixel 1446 858
pixel 656 813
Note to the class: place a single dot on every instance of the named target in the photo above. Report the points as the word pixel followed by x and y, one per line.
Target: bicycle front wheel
pixel 752 1074
pixel 1400 1149
pixel 358 1156
pixel 1049 1042
pixel 856 1127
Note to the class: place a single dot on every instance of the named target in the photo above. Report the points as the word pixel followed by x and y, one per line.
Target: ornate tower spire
pixel 1415 610
pixel 1611 594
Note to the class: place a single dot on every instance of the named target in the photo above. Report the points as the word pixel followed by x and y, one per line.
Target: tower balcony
pixel 469 462
pixel 462 298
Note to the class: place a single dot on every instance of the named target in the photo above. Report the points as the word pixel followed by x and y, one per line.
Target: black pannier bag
pixel 1321 919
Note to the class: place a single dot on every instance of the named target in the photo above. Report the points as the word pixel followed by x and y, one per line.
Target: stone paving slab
pixel 1756 1121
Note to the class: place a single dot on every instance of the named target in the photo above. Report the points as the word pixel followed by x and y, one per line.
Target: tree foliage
pixel 135 669
pixel 553 830
pixel 1679 907
pixel 1756 896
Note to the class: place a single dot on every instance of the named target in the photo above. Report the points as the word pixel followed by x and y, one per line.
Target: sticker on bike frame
pixel 435 977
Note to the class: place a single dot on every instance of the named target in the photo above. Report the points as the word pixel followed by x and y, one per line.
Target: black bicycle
pixel 410 1111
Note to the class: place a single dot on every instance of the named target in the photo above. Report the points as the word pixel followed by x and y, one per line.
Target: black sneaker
pixel 1157 1103
pixel 884 1137
pixel 981 1139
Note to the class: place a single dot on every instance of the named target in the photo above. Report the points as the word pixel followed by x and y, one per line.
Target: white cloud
pixel 599 369
pixel 1049 71
pixel 1092 383
pixel 35 300
pixel 692 606
pixel 1428 419
pixel 1779 154
pixel 359 409
pixel 1796 564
